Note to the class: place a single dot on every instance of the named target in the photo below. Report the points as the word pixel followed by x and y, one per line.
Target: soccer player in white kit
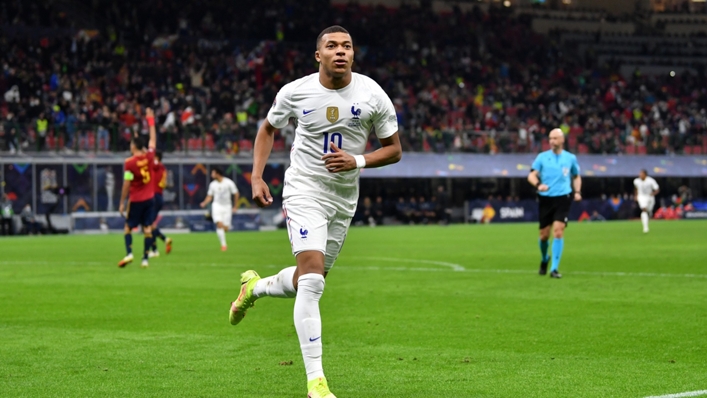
pixel 220 191
pixel 336 110
pixel 646 189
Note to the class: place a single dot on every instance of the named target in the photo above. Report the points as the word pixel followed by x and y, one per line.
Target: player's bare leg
pixel 147 231
pixel 544 243
pixel 644 220
pixel 221 233
pixel 128 247
pixel 157 234
pixel 558 243
pixel 306 283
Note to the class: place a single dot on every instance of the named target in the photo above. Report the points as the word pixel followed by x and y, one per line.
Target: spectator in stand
pixel 427 211
pixel 596 216
pixel 378 210
pixel 444 209
pixel 480 84
pixel 402 211
pixel 32 226
pixel 415 215
pixel 42 128
pixel 6 225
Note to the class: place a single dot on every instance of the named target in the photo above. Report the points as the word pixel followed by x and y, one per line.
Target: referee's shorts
pixel 554 208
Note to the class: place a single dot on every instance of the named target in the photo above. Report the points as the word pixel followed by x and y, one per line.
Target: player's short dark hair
pixel 217 170
pixel 644 171
pixel 331 29
pixel 158 155
pixel 139 142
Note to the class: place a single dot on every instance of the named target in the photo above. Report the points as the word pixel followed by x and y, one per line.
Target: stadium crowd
pixel 463 82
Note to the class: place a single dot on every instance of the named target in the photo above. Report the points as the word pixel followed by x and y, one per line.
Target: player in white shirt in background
pixel 220 191
pixel 336 111
pixel 645 190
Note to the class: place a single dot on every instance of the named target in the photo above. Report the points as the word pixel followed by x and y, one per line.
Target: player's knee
pixel 126 229
pixel 312 283
pixel 559 233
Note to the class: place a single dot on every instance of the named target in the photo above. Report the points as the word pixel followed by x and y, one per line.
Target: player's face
pixel 335 54
pixel 642 175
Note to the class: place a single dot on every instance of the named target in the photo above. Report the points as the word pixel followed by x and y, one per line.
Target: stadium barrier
pixel 494 211
pixel 185 220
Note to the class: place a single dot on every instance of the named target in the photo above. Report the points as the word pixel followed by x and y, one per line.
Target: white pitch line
pixel 453 266
pixel 682 394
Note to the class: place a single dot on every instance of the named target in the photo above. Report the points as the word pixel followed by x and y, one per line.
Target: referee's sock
pixel 543 249
pixel 557 245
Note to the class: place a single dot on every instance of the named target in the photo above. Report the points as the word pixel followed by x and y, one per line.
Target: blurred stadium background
pixel 476 84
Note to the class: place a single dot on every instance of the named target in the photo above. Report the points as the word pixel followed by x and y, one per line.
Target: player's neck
pixel 333 82
pixel 557 151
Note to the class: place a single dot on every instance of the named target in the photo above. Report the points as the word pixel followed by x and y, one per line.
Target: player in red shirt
pixel 137 182
pixel 159 178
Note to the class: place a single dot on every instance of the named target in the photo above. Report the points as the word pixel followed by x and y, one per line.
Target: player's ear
pixel 317 57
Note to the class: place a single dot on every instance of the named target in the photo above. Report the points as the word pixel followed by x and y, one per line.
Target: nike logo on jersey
pixel 307 112
pixel 311 339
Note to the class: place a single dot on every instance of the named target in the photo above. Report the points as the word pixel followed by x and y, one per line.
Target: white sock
pixel 644 219
pixel 308 322
pixel 221 236
pixel 279 285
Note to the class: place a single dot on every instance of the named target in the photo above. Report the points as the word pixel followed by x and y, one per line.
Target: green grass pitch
pixel 407 312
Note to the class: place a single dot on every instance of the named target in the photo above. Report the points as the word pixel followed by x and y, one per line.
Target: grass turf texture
pixel 73 324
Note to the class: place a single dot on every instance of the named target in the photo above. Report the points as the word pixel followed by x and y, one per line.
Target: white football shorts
pixel 646 202
pixel 222 214
pixel 316 227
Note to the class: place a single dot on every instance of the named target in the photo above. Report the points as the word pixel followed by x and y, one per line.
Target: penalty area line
pixel 682 394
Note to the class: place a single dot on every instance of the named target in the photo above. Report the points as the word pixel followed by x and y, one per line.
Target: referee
pixel 555 174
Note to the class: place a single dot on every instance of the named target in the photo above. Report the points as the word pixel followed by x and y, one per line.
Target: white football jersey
pixel 644 188
pixel 344 117
pixel 222 192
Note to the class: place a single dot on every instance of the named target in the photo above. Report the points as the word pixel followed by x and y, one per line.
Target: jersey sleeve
pixel 655 185
pixel 211 190
pixel 129 170
pixel 234 188
pixel 575 167
pixel 385 120
pixel 281 110
pixel 635 183
pixel 537 164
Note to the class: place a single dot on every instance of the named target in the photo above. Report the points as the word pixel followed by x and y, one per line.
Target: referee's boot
pixel 543 268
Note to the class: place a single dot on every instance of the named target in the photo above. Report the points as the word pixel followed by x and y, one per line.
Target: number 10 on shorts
pixel 336 138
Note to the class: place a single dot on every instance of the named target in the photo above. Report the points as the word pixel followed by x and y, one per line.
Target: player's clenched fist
pixel 261 192
pixel 338 160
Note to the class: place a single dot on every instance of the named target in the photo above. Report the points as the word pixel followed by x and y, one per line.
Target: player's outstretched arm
pixel 124 192
pixel 206 201
pixel 236 196
pixel 261 153
pixel 150 117
pixel 390 152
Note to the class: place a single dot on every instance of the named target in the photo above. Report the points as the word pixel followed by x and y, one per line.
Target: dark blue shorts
pixel 159 202
pixel 140 213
